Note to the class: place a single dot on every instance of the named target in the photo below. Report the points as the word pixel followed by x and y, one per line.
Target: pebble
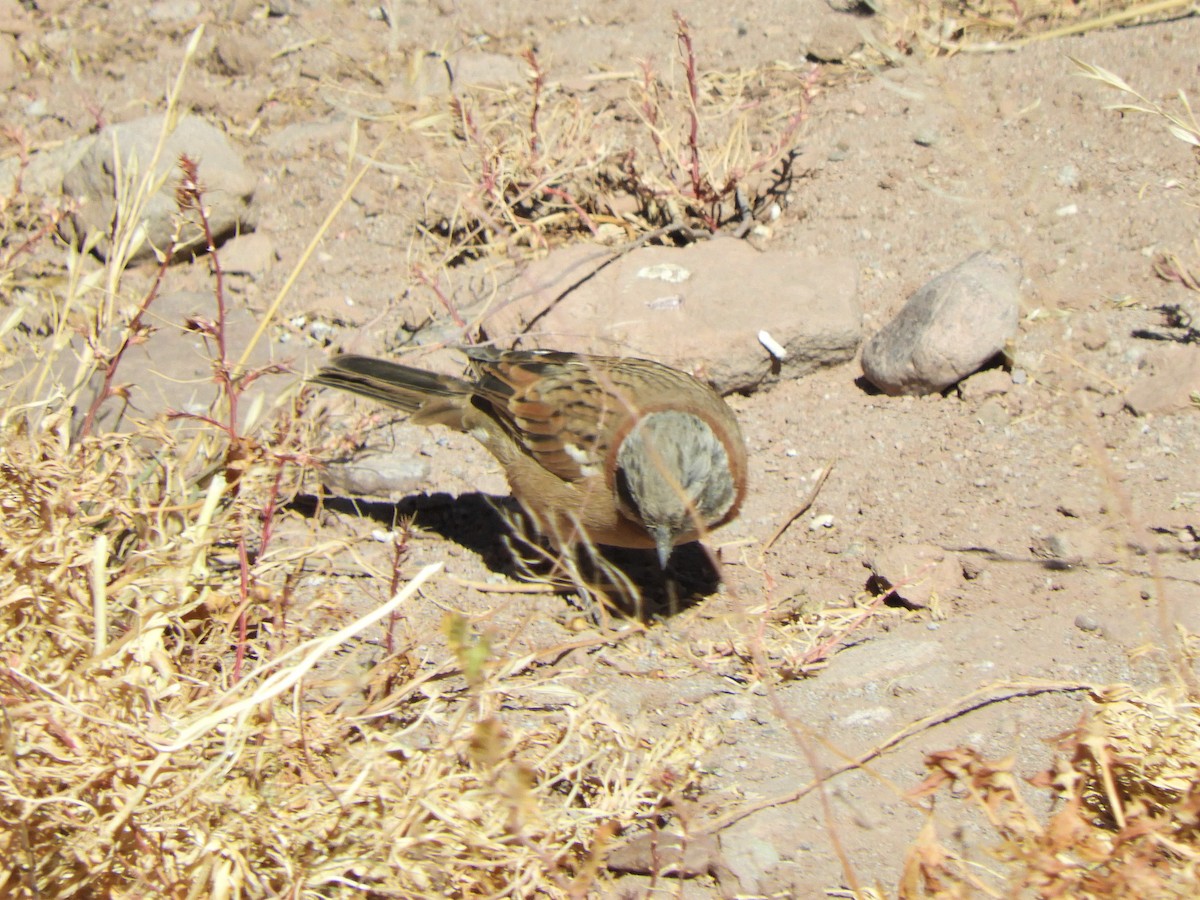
pixel 1084 622
pixel 249 254
pixel 916 573
pixel 992 414
pixel 1068 177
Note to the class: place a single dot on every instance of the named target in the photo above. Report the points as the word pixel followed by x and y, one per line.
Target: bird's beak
pixel 664 541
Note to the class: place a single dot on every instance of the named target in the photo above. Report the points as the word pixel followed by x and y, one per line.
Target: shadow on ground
pixel 629 581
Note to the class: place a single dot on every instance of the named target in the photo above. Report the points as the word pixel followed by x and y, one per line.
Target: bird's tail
pixel 429 397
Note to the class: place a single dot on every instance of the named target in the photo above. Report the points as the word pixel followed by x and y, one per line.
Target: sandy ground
pixel 1055 498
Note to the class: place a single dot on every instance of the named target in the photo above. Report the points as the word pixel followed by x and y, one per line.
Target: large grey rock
pixel 228 184
pixel 948 329
pixel 700 308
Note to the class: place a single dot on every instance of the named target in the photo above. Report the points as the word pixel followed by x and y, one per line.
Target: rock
pixel 916 573
pixel 701 308
pixel 992 414
pixel 172 370
pixel 173 10
pixel 228 185
pixel 241 11
pixel 1171 376
pixel 985 385
pixel 1092 335
pixel 833 38
pixel 948 329
pixel 1071 547
pixel 249 254
pixel 1080 503
pixel 881 662
pixel 666 854
pixel 376 475
pixel 238 53
pixel 754 846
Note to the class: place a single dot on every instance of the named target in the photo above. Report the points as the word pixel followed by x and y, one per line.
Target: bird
pixel 618 451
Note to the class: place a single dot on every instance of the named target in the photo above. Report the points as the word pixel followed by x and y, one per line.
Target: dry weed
pixel 992 25
pixel 180 717
pixel 1127 790
pixel 686 150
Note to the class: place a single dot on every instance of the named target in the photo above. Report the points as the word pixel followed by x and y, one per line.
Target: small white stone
pixel 668 272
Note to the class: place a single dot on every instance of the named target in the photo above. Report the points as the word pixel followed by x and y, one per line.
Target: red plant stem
pixel 684 36
pixel 539 81
pixel 191 196
pixel 399 551
pixel 579 210
pixel 419 274
pixel 131 332
pixel 224 375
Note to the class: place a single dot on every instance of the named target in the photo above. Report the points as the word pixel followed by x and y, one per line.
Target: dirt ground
pixel 1073 521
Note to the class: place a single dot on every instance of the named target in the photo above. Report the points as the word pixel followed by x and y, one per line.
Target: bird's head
pixel 673 477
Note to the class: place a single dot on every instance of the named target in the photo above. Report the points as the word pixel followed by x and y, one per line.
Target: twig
pixel 799 510
pixel 135 333
pixel 972 702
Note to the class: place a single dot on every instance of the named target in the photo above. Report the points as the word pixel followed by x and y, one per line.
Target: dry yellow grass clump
pixel 174 721
pixel 166 686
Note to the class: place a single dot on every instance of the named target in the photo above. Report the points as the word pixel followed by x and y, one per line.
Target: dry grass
pixel 176 719
pixel 965 26
pixel 682 151
pixel 168 722
pixel 179 718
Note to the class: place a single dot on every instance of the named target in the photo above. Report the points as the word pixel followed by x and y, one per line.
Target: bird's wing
pixel 564 410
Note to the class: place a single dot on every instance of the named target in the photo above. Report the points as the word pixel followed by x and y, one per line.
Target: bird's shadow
pixel 495 528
